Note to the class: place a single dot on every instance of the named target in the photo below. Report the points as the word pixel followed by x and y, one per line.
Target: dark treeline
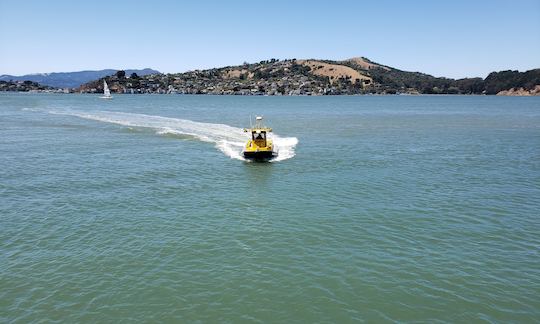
pixel 396 80
pixel 23 86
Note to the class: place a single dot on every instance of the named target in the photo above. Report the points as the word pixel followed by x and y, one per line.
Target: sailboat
pixel 106 91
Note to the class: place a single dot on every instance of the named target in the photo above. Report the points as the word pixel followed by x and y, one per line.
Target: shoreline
pixel 61 92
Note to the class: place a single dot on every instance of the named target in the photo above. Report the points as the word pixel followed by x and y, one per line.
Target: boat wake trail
pixel 230 140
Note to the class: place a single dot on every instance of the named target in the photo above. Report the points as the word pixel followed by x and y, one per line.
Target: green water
pixel 389 208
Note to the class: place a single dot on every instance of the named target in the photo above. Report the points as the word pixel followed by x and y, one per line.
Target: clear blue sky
pixel 443 38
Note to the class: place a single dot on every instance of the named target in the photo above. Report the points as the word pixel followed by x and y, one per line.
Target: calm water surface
pixel 390 208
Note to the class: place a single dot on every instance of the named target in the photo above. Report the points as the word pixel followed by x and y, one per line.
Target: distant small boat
pixel 106 91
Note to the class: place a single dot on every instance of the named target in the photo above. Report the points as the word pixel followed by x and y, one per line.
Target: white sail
pixel 106 91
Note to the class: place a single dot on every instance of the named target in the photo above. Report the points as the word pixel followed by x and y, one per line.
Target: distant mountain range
pixel 71 79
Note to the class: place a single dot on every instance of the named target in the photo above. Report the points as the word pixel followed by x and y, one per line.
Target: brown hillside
pixel 235 73
pixel 333 71
pixel 520 92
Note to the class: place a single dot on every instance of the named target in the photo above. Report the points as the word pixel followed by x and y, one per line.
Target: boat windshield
pixel 259 135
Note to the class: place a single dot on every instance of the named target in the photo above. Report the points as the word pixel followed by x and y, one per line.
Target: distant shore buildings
pixel 299 77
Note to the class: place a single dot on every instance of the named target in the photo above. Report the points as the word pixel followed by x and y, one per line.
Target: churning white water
pixel 230 140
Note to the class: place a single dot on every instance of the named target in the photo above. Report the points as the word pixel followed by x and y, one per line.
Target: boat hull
pixel 260 156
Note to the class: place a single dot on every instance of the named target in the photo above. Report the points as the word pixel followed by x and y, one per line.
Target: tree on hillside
pixel 134 76
pixel 121 74
pixel 470 85
pixel 504 80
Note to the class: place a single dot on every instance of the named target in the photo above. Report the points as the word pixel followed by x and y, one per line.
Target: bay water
pixel 378 209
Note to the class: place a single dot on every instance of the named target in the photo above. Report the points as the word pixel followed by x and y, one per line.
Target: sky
pixel 443 38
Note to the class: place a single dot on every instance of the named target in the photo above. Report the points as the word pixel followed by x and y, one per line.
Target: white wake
pixel 230 140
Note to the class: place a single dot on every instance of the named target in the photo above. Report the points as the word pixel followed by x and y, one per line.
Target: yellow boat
pixel 259 147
